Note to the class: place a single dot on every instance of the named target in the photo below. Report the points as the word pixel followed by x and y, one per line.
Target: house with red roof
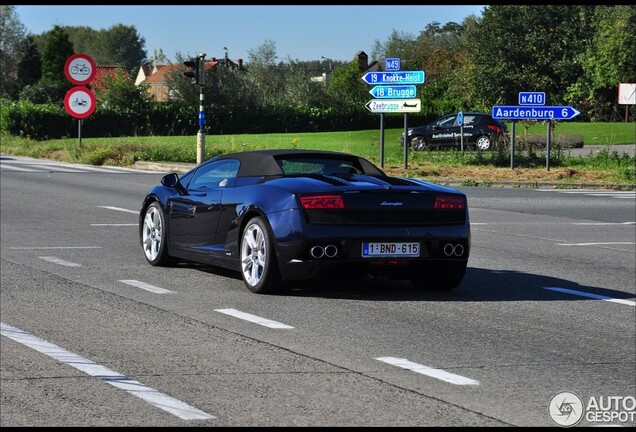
pixel 156 77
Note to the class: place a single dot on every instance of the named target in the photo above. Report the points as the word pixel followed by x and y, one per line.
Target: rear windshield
pixel 326 166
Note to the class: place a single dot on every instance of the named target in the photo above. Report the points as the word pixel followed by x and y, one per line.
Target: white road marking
pixel 6 167
pixel 58 247
pixel 145 286
pixel 104 374
pixel 605 223
pixel 113 224
pixel 429 371
pixel 593 192
pixel 59 261
pixel 253 318
pixel 552 223
pixel 596 244
pixel 590 295
pixel 61 167
pixel 120 209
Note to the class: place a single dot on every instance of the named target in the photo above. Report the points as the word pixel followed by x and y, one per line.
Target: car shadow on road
pixel 479 285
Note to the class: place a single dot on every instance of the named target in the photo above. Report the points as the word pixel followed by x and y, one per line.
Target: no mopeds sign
pixel 80 69
pixel 79 102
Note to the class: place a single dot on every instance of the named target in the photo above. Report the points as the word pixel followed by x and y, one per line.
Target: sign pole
pixel 406 138
pixel 512 146
pixel 381 140
pixel 79 133
pixel 201 132
pixel 547 152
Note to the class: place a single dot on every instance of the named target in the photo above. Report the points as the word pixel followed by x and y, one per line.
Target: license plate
pixel 390 249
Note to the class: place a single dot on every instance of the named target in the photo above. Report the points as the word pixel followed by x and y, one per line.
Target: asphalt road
pixel 94 336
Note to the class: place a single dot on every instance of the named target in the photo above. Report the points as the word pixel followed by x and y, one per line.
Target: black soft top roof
pixel 264 162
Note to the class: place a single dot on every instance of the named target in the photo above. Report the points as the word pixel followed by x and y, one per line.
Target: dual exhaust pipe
pixel 451 249
pixel 319 252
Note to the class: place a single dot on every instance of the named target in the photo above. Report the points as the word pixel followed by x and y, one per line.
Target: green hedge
pixel 41 122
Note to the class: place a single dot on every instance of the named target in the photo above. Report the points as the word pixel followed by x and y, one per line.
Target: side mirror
pixel 172 180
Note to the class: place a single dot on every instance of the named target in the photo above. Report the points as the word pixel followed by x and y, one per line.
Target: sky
pixel 299 32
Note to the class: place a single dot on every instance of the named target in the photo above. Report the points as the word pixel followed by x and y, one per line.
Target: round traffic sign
pixel 79 69
pixel 79 102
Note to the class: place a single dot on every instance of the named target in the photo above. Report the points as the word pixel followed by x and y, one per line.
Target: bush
pixel 538 142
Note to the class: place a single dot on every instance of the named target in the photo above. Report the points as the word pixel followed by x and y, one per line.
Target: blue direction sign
pixel 401 77
pixel 531 98
pixel 534 113
pixel 392 64
pixel 394 92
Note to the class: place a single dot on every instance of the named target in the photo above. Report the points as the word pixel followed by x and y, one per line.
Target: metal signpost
pixel 626 96
pixel 532 108
pixel 394 92
pixel 460 122
pixel 79 101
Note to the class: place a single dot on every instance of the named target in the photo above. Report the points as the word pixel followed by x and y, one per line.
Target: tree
pixel 263 74
pixel 347 88
pixel 121 45
pixel 54 84
pixel 528 48
pixel 30 65
pixel 609 59
pixel 399 44
pixel 159 58
pixel 118 92
pixel 57 50
pixel 85 40
pixel 12 36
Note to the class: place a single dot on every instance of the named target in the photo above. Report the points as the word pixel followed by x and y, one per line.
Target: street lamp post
pixel 330 67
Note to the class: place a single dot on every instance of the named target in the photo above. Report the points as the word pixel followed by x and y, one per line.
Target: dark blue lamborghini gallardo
pixel 279 216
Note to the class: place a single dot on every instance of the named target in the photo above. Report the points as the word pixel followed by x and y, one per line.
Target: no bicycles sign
pixel 79 101
pixel 79 69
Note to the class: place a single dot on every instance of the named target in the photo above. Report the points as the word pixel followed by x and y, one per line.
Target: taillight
pixel 494 128
pixel 322 202
pixel 450 202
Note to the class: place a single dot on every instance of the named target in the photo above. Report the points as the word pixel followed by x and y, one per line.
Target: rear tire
pixel 259 267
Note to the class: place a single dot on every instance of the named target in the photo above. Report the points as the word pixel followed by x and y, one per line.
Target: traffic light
pixel 193 74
